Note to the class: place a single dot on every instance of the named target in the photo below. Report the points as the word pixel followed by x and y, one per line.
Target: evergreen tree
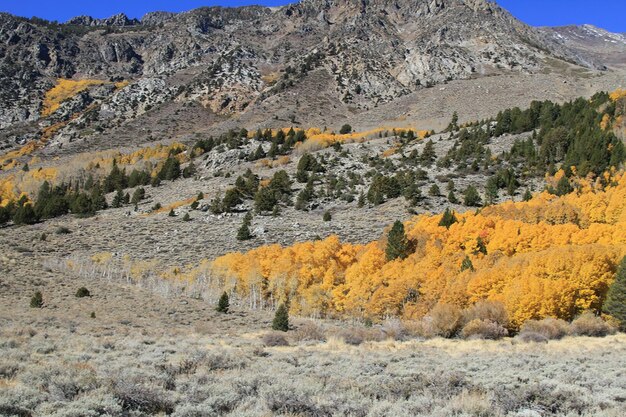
pixel 172 213
pixel 452 198
pixel 189 171
pixel 434 191
pixel 170 170
pixel 186 217
pixel 265 200
pixel 215 206
pixel 454 123
pixel 563 187
pixel 116 179
pixel 258 154
pixel 527 195
pixel 448 219
pixel 305 196
pixel 281 319
pixel 471 197
pixel 412 194
pixel 327 216
pixel 375 194
pixel 25 214
pixel 345 129
pixel 232 198
pixel 361 201
pixel 429 155
pixel 491 190
pixel 467 264
pixel 397 243
pixel 118 200
pixel 615 304
pixel 138 195
pixel 244 232
pixel 223 304
pixel 5 214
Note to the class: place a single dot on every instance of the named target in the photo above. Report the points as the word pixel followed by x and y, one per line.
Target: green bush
pixel 83 292
pixel 37 300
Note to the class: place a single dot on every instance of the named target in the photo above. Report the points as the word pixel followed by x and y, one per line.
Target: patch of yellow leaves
pixel 64 90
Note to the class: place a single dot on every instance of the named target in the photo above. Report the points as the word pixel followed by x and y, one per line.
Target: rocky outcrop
pixel 120 20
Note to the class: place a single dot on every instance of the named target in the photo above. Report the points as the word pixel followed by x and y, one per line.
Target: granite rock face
pixel 366 52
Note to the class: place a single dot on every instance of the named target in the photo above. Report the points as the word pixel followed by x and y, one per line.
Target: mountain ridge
pixel 238 63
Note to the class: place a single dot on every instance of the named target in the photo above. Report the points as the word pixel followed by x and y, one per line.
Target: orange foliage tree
pixel 548 257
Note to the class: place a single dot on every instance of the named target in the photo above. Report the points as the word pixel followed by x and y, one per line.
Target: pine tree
pixel 448 219
pixel 265 200
pixel 281 319
pixel 452 198
pixel 118 200
pixel 25 214
pixel 305 196
pixel 471 197
pixel 527 195
pixel 397 243
pixel 491 190
pixel 189 171
pixel 186 217
pixel 327 216
pixel 563 187
pixel 138 195
pixel 467 264
pixel 615 304
pixel 258 154
pixel 361 201
pixel 428 155
pixel 434 191
pixel 244 231
pixel 223 304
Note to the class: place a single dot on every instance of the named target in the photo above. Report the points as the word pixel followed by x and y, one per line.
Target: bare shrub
pixel 394 329
pixel 217 361
pixel 8 369
pixel 137 396
pixel 535 337
pixel 356 335
pixel 493 311
pixel 274 339
pixel 588 324
pixel 419 328
pixel 445 319
pixel 549 328
pixel 483 329
pixel 309 331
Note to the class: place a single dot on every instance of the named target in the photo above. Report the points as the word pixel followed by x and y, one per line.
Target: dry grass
pixel 145 355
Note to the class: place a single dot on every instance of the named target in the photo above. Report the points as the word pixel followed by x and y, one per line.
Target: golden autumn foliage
pixel 328 138
pixel 64 90
pixel 174 206
pixel 617 94
pixel 548 257
pixel 96 163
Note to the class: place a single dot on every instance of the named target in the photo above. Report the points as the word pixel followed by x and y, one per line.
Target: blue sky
pixel 608 14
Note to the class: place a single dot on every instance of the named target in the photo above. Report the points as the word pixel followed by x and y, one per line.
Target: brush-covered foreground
pixel 139 354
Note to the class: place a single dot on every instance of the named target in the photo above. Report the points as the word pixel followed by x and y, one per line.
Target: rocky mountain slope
pixel 260 66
